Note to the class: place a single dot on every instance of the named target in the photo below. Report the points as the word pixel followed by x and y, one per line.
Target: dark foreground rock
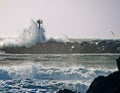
pixel 102 84
pixel 67 91
pixel 109 84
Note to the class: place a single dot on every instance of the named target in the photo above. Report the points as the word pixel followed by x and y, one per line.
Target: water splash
pixel 29 36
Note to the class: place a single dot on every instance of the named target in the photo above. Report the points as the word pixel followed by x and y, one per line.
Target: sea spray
pixel 37 76
pixel 33 35
pixel 29 36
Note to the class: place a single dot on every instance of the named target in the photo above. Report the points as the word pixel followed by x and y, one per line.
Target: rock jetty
pixel 54 47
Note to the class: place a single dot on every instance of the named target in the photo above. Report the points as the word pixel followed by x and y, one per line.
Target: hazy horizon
pixel 74 18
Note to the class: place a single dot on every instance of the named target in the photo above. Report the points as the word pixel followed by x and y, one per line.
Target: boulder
pixel 118 63
pixel 109 84
pixel 67 91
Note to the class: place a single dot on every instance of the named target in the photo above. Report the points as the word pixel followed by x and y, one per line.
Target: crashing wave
pixel 50 79
pixel 33 41
pixel 29 36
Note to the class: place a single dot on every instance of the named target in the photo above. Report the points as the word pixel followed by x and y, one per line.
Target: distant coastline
pixel 59 47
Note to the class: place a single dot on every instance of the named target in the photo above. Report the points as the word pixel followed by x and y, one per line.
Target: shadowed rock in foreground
pixel 102 84
pixel 109 84
pixel 67 91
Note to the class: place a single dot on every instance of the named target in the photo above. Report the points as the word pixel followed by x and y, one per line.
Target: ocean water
pixel 48 73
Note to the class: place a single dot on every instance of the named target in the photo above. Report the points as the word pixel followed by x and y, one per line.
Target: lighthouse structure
pixel 40 22
pixel 41 31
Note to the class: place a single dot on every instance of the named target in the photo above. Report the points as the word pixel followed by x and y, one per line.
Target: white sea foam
pixel 51 78
pixel 47 73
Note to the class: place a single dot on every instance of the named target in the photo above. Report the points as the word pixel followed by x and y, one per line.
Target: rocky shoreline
pixel 54 47
pixel 102 84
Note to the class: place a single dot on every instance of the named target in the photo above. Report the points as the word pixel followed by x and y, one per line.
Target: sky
pixel 74 18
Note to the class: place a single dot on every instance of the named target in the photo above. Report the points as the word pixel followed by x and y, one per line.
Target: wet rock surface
pixel 54 47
